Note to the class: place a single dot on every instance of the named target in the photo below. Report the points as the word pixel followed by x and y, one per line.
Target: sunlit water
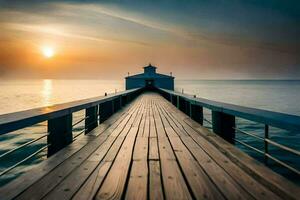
pixel 17 95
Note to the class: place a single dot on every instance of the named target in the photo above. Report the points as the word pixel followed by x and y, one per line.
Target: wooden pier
pixel 150 150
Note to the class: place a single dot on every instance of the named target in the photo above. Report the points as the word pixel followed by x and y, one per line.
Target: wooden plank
pixel 142 125
pixel 110 157
pixel 72 183
pixel 140 149
pixel 120 138
pixel 17 186
pixel 225 183
pixel 165 149
pixel 247 182
pixel 146 132
pixel 53 178
pixel 114 183
pixel 197 178
pixel 48 182
pixel 185 161
pixel 175 125
pixel 254 187
pixel 155 184
pixel 153 149
pixel 14 188
pixel 139 116
pixel 91 186
pixel 158 123
pixel 202 157
pixel 155 180
pixel 271 180
pixel 137 184
pixel 120 127
pixel 152 123
pixel 173 181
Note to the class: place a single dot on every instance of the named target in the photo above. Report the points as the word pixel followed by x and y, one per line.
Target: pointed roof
pixel 150 66
pixel 143 75
pixel 146 75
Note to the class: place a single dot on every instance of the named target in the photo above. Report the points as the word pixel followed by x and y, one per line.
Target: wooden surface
pixel 150 150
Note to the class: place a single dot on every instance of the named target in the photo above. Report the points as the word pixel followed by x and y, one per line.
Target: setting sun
pixel 48 52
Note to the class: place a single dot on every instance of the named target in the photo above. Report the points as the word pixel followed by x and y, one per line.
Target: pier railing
pixel 60 123
pixel 224 122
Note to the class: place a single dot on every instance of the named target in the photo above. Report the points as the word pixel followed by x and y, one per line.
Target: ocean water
pixel 17 95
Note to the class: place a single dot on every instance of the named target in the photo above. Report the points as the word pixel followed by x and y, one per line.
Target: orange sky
pixel 107 41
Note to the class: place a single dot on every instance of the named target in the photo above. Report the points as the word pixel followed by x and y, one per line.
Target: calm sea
pixel 17 95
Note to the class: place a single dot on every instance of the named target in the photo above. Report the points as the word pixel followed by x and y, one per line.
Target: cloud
pixel 229 40
pixel 201 35
pixel 48 29
pixel 217 37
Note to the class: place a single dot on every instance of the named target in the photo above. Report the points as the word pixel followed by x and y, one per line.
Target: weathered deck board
pixel 55 180
pixel 260 181
pixel 149 150
pixel 19 185
pixel 194 144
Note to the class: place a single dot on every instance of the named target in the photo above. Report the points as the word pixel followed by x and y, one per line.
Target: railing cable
pixel 23 145
pixel 79 121
pixel 247 133
pixel 24 160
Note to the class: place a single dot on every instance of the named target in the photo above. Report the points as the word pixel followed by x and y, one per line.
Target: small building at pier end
pixel 150 79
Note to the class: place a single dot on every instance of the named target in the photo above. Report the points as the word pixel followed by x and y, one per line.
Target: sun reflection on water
pixel 47 92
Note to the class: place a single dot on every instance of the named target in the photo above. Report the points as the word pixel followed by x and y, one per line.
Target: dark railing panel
pixel 223 125
pixel 197 113
pixel 91 119
pixel 60 133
